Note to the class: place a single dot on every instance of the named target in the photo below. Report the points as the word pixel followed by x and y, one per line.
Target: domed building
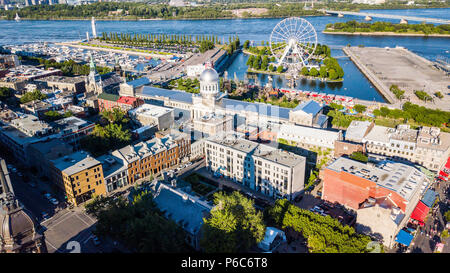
pixel 207 117
pixel 18 229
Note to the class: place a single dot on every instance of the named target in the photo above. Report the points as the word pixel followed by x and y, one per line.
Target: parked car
pixel 32 184
pixel 45 215
pixel 20 174
pixel 54 201
pixel 48 196
pixel 96 240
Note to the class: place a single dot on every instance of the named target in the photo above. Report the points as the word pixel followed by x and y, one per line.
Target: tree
pixel 31 96
pixel 305 71
pixel 246 44
pixel 322 233
pixel 314 72
pixel 323 72
pixel 359 156
pixel 234 225
pixel 360 108
pixel 447 215
pixel 280 69
pixel 332 74
pixel 5 93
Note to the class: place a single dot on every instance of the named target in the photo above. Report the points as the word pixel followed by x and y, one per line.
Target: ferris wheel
pixel 293 41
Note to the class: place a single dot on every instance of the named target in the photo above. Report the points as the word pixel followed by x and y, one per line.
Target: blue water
pixel 355 84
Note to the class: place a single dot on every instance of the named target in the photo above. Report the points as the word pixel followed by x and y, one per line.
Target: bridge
pixel 403 19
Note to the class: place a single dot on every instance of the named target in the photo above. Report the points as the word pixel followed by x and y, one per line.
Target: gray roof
pixel 260 108
pixel 139 82
pixel 398 177
pixel 186 210
pixel 181 96
pixel 75 163
pixel 310 107
pixel 262 151
pixel 112 164
pixel 357 130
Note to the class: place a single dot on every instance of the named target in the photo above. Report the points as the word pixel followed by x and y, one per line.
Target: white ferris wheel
pixel 293 41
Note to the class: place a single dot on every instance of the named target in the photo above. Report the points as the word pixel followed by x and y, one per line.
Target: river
pixel 355 84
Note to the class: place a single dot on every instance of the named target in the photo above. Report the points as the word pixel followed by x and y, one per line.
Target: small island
pixel 262 61
pixel 387 29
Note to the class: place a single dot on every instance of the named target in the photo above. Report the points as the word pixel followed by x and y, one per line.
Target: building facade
pixel 273 172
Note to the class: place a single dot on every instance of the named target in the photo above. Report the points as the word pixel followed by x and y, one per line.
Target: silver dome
pixel 209 75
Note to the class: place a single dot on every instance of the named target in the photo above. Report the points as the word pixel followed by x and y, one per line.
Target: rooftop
pixel 139 82
pixel 72 124
pixel 108 96
pixel 181 96
pixel 144 149
pixel 62 79
pixel 260 150
pixel 31 125
pixel 309 132
pixel 310 107
pixel 150 110
pixel 357 130
pixel 186 210
pixel 398 177
pixel 112 164
pixel 75 163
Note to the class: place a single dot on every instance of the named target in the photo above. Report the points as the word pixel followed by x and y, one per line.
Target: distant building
pixel 383 195
pixel 195 70
pixel 107 101
pixel 94 80
pixel 75 84
pixel 273 172
pixel 183 141
pixel 9 61
pixel 79 175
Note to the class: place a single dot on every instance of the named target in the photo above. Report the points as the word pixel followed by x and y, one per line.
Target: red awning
pixel 420 212
pixel 447 165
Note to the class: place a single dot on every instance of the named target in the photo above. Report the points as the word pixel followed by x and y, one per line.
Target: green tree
pixel 234 225
pixel 280 69
pixel 323 72
pixel 314 72
pixel 359 156
pixel 31 96
pixel 305 71
pixel 360 108
pixel 5 93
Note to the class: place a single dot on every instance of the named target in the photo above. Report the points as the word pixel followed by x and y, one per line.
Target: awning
pixel 429 197
pixel 420 212
pixel 404 238
pixel 447 165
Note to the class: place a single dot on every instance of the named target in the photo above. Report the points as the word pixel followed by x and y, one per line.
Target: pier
pixel 398 66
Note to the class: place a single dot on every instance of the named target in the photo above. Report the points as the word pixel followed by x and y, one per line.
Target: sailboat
pixel 17 17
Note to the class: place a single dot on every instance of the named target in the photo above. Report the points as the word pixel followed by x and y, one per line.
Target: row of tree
pixel 161 39
pixel 323 234
pixel 330 69
pixel 354 26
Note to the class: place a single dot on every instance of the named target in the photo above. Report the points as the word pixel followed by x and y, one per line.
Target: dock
pixel 410 72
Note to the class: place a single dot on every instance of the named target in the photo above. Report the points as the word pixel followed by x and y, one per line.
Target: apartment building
pixel 183 141
pixel 79 175
pixel 427 146
pixel 383 195
pixel 271 171
pixel 115 172
pixel 149 157
pixel 74 84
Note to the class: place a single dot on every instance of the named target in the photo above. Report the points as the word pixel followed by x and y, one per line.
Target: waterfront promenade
pixel 399 66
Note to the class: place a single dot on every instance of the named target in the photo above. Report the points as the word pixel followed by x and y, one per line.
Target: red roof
pixel 127 100
pixel 420 212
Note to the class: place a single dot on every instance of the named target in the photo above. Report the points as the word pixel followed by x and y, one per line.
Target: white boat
pixel 17 17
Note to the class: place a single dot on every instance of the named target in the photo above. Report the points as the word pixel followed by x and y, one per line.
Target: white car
pixel 54 201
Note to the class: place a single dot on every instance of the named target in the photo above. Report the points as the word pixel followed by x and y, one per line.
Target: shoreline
pixel 386 34
pixel 161 19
